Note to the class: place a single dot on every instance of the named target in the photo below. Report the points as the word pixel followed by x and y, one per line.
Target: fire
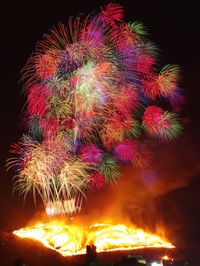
pixel 165 257
pixel 71 239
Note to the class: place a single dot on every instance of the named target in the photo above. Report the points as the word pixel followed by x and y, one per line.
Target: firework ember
pixel 94 95
pixel 72 239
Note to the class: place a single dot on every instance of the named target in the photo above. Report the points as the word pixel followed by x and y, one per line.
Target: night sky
pixel 175 30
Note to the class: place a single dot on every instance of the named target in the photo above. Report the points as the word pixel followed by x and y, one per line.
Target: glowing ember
pixel 72 239
pixel 165 257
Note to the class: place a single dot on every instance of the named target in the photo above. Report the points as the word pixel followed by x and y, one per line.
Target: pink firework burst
pixel 154 120
pixel 111 14
pixel 125 150
pixel 160 123
pixel 90 153
pixel 145 63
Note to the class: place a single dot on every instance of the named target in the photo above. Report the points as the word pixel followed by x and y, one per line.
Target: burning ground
pixel 72 239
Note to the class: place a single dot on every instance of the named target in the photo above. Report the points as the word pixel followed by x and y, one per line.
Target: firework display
pixel 94 95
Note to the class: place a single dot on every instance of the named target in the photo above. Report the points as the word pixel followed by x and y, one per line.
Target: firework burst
pixel 92 88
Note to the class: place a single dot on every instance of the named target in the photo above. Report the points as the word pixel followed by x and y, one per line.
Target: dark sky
pixel 175 30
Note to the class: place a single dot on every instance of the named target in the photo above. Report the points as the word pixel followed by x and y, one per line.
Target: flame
pixel 71 239
pixel 165 257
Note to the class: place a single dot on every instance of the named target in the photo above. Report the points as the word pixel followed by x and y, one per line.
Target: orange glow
pixel 71 239
pixel 166 257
